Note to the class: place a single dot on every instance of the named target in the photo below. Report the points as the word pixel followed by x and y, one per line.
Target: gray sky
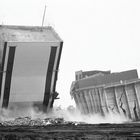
pixel 97 34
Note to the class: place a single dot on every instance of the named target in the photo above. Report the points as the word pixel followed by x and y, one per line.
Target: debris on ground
pixel 28 121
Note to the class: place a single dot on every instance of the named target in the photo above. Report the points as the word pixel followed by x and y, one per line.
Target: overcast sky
pixel 97 34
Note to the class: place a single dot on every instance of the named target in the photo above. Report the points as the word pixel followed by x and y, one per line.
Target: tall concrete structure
pixel 29 58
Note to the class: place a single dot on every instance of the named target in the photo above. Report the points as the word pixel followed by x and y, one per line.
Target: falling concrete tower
pixel 29 58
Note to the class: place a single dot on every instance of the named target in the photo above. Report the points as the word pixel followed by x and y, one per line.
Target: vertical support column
pixel 8 77
pixel 137 91
pixel 132 101
pixel 106 102
pixel 116 100
pixel 97 100
pixel 87 98
pixel 46 100
pixel 127 102
pixel 2 67
pixel 57 69
pixel 82 109
pixel 85 102
pixel 76 101
pixel 93 102
pixel 102 100
pixel 117 96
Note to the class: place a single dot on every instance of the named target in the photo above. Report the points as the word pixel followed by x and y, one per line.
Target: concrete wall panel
pixel 111 99
pixel 132 100
pixel 122 101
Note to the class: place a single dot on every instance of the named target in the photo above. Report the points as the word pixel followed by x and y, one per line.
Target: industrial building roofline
pixel 104 79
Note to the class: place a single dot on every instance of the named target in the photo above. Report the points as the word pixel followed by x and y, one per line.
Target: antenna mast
pixel 44 16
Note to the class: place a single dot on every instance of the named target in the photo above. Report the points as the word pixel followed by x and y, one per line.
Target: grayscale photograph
pixel 69 70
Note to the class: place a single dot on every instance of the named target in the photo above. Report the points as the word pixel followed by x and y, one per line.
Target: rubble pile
pixel 27 121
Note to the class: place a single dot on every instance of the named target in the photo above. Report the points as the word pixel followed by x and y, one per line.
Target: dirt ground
pixel 129 131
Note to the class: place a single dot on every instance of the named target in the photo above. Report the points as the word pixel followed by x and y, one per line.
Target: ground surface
pixel 129 131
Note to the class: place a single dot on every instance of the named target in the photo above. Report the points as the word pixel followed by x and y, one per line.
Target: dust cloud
pixel 68 114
